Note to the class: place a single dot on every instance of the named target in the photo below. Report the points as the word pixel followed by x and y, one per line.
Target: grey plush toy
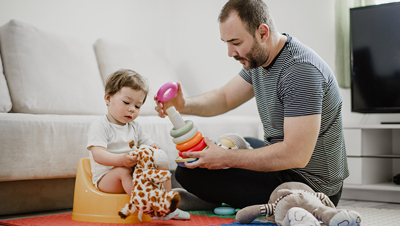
pixel 295 203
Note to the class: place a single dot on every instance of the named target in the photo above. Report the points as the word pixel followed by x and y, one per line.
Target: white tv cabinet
pixel 374 158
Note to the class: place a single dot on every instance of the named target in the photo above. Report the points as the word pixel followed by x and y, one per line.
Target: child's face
pixel 124 106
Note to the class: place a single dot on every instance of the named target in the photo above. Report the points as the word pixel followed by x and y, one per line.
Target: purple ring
pixel 172 87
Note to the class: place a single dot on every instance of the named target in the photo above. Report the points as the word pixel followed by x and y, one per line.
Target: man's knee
pixel 180 175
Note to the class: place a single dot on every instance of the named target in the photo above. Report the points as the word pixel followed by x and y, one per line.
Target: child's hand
pixel 156 146
pixel 129 160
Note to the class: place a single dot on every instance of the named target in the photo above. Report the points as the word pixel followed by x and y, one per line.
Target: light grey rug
pixel 372 216
pixel 375 217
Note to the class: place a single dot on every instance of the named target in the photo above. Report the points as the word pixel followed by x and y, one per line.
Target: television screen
pixel 375 58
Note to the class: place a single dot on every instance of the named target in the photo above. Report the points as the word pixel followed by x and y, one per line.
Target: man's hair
pixel 126 78
pixel 253 13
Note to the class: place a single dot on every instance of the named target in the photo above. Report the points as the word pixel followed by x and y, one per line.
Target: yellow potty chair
pixel 92 205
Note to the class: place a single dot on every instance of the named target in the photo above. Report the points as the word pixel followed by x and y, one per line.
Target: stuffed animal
pixel 295 203
pixel 148 193
pixel 232 141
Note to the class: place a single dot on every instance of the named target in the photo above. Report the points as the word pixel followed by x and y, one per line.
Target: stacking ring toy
pixel 183 130
pixel 181 161
pixel 167 91
pixel 194 150
pixel 198 147
pixel 190 143
pixel 186 137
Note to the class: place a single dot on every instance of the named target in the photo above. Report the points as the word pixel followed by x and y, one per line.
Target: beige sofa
pixel 51 89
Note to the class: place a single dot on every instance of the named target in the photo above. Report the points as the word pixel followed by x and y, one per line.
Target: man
pixel 299 104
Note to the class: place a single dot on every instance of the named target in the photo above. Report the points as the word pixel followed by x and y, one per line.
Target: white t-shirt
pixel 115 138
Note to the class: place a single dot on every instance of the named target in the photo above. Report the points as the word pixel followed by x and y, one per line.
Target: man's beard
pixel 256 56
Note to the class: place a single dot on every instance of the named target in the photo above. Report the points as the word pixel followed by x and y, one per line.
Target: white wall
pixel 186 32
pixel 199 56
pixel 120 20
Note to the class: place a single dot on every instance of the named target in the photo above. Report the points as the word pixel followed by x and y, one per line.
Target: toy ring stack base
pixel 181 161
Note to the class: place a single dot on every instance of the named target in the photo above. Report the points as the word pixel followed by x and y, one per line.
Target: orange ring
pixel 198 147
pixel 190 143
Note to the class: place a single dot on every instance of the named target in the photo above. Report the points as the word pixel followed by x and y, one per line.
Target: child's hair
pixel 126 78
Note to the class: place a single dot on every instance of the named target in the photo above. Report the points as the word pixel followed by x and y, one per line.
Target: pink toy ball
pixel 167 91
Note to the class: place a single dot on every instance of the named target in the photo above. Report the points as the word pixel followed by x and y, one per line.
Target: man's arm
pixel 236 92
pixel 300 137
pixel 233 94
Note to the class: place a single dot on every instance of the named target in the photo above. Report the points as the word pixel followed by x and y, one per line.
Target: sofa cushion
pixel 5 100
pixel 36 146
pixel 113 56
pixel 49 73
pixel 54 150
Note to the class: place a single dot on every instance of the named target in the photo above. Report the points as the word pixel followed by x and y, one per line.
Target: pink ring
pixel 172 87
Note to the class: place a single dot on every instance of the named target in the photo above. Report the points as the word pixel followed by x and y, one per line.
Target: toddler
pixel 110 135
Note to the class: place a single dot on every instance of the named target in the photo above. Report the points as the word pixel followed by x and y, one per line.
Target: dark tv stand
pixel 388 123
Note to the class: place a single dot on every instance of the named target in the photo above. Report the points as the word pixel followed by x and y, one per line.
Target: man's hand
pixel 178 101
pixel 211 158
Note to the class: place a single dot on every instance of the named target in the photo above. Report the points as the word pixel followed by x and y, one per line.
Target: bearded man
pixel 299 104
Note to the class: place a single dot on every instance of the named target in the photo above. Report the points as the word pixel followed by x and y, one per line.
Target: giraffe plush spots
pixel 148 193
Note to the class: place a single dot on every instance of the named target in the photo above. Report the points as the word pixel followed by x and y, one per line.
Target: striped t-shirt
pixel 298 83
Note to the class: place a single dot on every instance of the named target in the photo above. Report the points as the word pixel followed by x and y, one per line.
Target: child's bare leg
pixel 167 184
pixel 117 180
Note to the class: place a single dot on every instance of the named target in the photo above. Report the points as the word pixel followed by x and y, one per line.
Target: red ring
pixel 198 147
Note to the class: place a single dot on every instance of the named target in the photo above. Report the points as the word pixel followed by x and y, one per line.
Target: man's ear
pixel 263 32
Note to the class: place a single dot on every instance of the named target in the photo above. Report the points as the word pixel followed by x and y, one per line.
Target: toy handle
pixel 167 91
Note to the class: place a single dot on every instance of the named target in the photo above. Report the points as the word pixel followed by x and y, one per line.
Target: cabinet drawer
pixel 355 168
pixel 369 170
pixel 352 138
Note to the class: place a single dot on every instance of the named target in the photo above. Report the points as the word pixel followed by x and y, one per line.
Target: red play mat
pixel 65 219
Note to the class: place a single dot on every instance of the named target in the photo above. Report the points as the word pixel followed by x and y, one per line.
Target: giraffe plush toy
pixel 148 193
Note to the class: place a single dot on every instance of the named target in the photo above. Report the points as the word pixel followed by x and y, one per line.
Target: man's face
pixel 241 44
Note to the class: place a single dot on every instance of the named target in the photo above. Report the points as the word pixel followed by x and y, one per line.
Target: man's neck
pixel 277 42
